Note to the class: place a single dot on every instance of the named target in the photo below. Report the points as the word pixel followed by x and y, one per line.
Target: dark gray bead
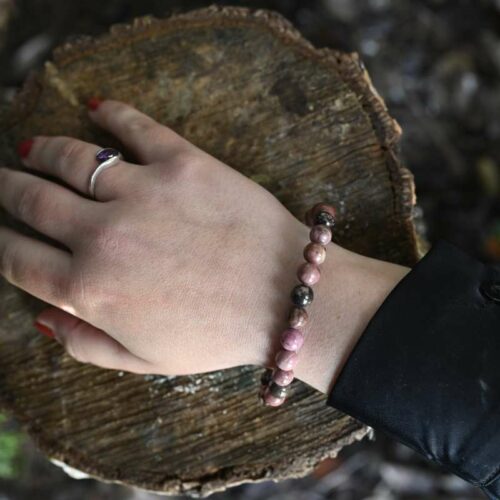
pixel 302 295
pixel 324 218
pixel 277 391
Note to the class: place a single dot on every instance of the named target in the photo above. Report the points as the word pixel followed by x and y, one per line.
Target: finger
pixel 46 206
pixel 149 140
pixel 88 344
pixel 74 161
pixel 35 266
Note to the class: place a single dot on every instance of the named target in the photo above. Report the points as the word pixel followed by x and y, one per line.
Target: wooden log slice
pixel 304 123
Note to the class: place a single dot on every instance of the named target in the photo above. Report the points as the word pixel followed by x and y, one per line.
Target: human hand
pixel 180 265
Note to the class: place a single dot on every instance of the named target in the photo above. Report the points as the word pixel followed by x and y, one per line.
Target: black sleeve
pixel 426 370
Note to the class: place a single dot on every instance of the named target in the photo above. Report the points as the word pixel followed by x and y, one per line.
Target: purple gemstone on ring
pixel 106 154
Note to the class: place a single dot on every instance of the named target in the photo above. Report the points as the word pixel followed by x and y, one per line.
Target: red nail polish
pixel 24 148
pixel 45 330
pixel 93 103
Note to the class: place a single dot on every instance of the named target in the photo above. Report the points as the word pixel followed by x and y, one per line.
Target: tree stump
pixel 307 125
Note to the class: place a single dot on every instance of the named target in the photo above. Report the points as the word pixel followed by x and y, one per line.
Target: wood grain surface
pixel 307 125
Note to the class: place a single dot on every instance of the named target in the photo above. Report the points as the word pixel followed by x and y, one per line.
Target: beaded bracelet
pixel 276 382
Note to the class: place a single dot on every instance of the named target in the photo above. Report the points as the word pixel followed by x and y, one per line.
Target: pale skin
pixel 180 265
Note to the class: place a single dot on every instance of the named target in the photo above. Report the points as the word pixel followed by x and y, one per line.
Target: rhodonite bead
pixel 308 274
pixel 275 384
pixel 314 211
pixel 286 360
pixel 302 295
pixel 292 339
pixel 271 400
pixel 277 390
pixel 324 218
pixel 282 377
pixel 315 253
pixel 323 207
pixel 298 317
pixel 320 234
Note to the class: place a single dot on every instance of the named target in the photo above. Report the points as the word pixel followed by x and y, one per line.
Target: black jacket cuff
pixel 427 368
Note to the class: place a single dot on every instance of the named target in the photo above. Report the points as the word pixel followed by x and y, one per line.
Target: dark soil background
pixel 437 65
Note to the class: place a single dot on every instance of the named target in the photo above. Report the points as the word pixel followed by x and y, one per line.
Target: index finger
pixel 149 140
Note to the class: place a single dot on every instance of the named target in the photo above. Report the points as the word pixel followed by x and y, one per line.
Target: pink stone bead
pixel 286 360
pixel 292 339
pixel 282 377
pixel 308 273
pixel 298 317
pixel 315 253
pixel 320 234
pixel 271 400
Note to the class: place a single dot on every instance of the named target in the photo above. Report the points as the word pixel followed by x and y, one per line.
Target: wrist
pixel 351 289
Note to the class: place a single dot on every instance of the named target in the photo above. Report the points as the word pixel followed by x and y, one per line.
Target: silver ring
pixel 105 157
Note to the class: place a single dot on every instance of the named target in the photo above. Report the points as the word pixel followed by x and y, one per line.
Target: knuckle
pixel 185 166
pixel 71 152
pixel 95 232
pixel 30 204
pixel 100 231
pixel 106 238
pixel 57 288
pixel 183 156
pixel 83 293
pixel 140 124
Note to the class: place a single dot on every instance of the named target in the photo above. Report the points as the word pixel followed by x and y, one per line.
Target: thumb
pixel 88 344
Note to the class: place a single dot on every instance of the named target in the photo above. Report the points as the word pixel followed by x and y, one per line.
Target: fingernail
pixel 45 330
pixel 93 103
pixel 24 148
